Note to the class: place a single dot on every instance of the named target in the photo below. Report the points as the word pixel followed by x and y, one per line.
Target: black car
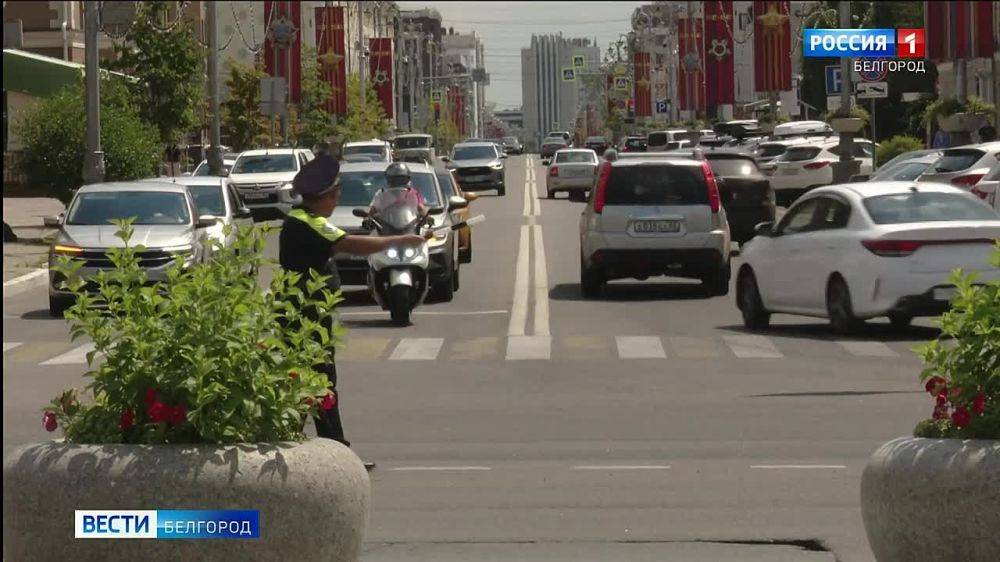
pixel 634 144
pixel 597 144
pixel 746 193
pixel 511 145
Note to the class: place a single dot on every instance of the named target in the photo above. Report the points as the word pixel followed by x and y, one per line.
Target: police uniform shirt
pixel 306 243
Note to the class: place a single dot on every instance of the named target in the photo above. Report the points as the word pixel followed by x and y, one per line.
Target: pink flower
pixel 159 412
pixel 49 421
pixel 127 420
pixel 150 397
pixel 329 401
pixel 935 385
pixel 979 404
pixel 961 417
pixel 178 415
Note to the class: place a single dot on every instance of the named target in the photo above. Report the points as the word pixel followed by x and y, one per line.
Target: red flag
pixel 982 29
pixel 643 101
pixel 972 24
pixel 690 43
pixel 772 45
pixel 277 59
pixel 380 60
pixel 936 36
pixel 719 70
pixel 330 51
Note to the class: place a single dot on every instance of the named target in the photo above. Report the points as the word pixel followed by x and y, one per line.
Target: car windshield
pixel 266 164
pixel 447 186
pixel 957 160
pixel 657 139
pixel 576 157
pixel 203 170
pixel 510 140
pixel 905 171
pixel 412 142
pixel 145 207
pixel 375 149
pixel 358 188
pixel 208 199
pixel 900 208
pixel 474 153
pixel 656 184
pixel 733 167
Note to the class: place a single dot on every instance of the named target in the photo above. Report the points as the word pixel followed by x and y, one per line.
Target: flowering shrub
pixel 200 358
pixel 963 376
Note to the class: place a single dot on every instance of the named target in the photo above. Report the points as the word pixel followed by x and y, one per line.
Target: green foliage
pixel 963 375
pixel 444 130
pixel 243 124
pixel 363 120
pixel 945 107
pixel 204 357
pixel 857 112
pixel 54 133
pixel 896 146
pixel 313 121
pixel 168 65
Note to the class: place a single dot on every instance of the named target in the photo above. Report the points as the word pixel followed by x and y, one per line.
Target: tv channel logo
pixel 167 524
pixel 866 43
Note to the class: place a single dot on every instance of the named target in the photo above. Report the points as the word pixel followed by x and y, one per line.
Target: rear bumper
pixel 553 184
pixel 619 264
pixel 878 293
pixel 920 305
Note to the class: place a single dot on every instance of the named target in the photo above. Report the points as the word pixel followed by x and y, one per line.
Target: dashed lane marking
pixel 640 347
pixel 529 347
pixel 868 348
pixel 420 349
pixel 752 347
pixel 7 346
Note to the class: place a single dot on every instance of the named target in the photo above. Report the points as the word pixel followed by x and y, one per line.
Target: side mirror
pixel 456 203
pixel 360 213
pixel 435 210
pixel 207 221
pixel 224 173
pixel 764 229
pixel 242 213
pixel 52 221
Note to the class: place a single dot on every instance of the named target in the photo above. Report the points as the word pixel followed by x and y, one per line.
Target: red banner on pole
pixel 284 60
pixel 330 51
pixel 719 69
pixel 641 85
pixel 690 78
pixel 772 45
pixel 970 22
pixel 380 61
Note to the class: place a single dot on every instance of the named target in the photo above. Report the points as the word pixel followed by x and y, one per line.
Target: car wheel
pixel 839 307
pixel 755 317
pixel 59 305
pixel 717 284
pixel 591 281
pixel 900 321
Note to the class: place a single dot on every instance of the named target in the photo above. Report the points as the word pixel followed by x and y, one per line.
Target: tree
pixel 363 120
pixel 54 136
pixel 243 124
pixel 313 122
pixel 444 131
pixel 168 63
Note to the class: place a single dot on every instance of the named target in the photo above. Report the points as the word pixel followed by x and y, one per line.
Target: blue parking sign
pixel 833 81
pixel 662 106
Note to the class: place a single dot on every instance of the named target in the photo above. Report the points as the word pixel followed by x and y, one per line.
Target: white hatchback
pixel 810 165
pixel 863 250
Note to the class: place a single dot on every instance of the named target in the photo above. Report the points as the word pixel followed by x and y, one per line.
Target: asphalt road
pixel 522 422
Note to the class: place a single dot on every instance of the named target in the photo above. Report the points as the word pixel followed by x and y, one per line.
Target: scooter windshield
pixel 397 208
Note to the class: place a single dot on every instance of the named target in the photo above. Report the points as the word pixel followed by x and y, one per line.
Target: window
pixel 906 171
pixel 208 199
pixel 769 150
pixel 656 184
pixel 474 153
pixel 657 139
pixel 587 157
pixel 447 185
pixel 265 164
pixel 733 167
pixel 413 142
pixel 861 150
pixel 146 207
pixel 832 213
pixel 800 153
pixel 799 217
pixel 957 160
pixel 359 188
pixel 371 149
pixel 928 206
pixel 235 203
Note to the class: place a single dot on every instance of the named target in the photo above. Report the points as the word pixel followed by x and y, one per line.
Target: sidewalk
pixel 25 214
pixel 21 259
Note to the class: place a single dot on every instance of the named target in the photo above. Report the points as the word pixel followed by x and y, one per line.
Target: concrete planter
pixel 313 498
pixel 933 500
pixel 961 123
pixel 847 124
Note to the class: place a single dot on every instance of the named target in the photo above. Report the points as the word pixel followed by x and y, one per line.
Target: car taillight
pixel 713 188
pixel 602 187
pixel 817 165
pixel 891 248
pixel 979 193
pixel 554 171
pixel 967 181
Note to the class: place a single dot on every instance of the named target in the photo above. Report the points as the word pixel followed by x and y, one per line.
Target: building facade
pixel 550 88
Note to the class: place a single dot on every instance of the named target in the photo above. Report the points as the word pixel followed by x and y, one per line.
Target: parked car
pixel 165 221
pixel 216 197
pixel 263 178
pixel 597 144
pixel 450 188
pixel 654 216
pixel 375 150
pixel 227 165
pixel 809 165
pixel 479 165
pixel 512 145
pixel 746 193
pixel 360 181
pixel 963 166
pixel 683 144
pixel 415 148
pixel 549 148
pixel 903 170
pixel 573 170
pixel 765 152
pixel 633 144
pixel 862 250
pixel 988 189
pixel 564 135
pixel 793 129
pixel 658 141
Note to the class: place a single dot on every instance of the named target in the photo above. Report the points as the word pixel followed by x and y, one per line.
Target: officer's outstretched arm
pixel 364 245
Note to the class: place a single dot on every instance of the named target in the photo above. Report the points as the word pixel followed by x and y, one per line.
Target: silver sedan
pixel 573 170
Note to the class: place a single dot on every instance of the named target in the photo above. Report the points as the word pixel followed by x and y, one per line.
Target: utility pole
pixel 847 166
pixel 93 164
pixel 214 130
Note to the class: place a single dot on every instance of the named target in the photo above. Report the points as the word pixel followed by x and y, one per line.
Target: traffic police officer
pixel 307 243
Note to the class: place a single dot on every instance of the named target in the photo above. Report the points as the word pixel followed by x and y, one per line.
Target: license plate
pixel 656 226
pixel 255 196
pixel 944 294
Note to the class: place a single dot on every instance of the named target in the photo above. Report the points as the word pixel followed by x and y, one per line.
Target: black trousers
pixel 328 422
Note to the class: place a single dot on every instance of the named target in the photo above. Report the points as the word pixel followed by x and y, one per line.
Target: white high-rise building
pixel 550 101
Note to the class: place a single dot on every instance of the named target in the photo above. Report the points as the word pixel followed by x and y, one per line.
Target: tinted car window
pixel 769 150
pixel 447 187
pixel 832 213
pixel 861 150
pixel 801 153
pixel 733 167
pixel 208 199
pixel 265 163
pixel 358 188
pixel 146 207
pixel 365 149
pixel 474 153
pixel 656 184
pixel 902 208
pixel 413 142
pixel 657 139
pixel 957 160
pixel 576 158
pixel 635 143
pixel 902 172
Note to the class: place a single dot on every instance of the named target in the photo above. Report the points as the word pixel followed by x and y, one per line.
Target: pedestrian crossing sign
pixel 569 74
pixel 436 96
pixel 579 61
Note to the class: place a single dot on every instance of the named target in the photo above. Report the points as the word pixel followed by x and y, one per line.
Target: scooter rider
pixel 308 242
pixel 397 175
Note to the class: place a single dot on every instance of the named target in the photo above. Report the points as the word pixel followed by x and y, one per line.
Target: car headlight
pixel 497 166
pixel 285 193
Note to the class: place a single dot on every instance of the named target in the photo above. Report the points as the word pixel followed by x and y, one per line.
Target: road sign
pixel 568 74
pixel 272 95
pixel 662 106
pixel 873 90
pixel 622 83
pixel 555 125
pixel 579 61
pixel 436 96
pixel 833 81
pixel 877 74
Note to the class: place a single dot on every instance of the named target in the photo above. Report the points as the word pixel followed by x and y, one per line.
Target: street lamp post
pixel 214 131
pixel 93 165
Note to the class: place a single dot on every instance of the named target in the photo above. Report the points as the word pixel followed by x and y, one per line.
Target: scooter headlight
pixel 392 253
pixel 409 252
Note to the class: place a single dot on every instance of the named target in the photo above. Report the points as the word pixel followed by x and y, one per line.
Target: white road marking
pixel 623 467
pixel 432 313
pixel 75 356
pixel 421 349
pixel 541 286
pixel 640 347
pixel 529 347
pixel 26 277
pixel 867 348
pixel 752 347
pixel 526 209
pixel 7 346
pixel 436 468
pixel 519 310
pixel 798 466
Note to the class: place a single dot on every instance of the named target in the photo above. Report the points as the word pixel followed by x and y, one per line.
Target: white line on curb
pixel 798 466
pixel 27 277
pixel 519 310
pixel 749 347
pixel 436 468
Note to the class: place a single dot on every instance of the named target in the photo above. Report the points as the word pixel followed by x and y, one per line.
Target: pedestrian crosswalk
pixel 749 347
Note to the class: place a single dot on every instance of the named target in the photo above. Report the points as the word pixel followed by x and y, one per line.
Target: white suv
pixel 658 215
pixel 263 179
pixel 374 150
pixel 808 165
